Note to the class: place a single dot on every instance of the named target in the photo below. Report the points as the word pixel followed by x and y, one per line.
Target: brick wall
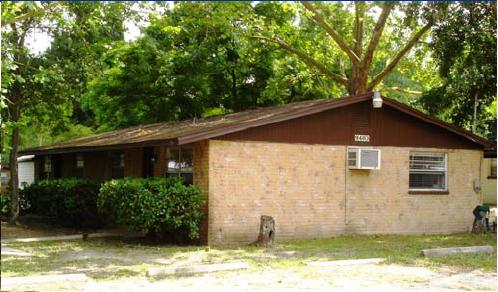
pixel 307 187
pixel 201 179
pixel 378 201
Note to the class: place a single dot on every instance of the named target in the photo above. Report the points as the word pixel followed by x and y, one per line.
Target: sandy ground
pixel 369 277
pixel 23 231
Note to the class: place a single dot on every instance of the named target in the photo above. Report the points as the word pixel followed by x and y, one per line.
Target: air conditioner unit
pixel 363 158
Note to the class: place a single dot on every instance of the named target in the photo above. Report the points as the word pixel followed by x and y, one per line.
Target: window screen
pixel 428 171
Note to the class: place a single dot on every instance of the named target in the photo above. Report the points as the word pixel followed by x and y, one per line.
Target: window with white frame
pixel 180 163
pixel 428 171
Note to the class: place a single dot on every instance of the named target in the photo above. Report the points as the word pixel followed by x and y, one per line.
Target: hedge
pixel 154 205
pixel 67 202
pixel 5 205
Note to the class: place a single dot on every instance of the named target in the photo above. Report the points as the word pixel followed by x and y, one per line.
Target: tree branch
pixel 330 31
pixel 33 13
pixel 379 77
pixel 305 58
pixel 377 33
pixel 403 90
pixel 358 27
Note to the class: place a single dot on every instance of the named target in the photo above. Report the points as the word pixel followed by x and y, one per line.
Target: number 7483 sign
pixel 362 138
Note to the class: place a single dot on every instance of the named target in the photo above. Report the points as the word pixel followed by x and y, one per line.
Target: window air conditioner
pixel 363 158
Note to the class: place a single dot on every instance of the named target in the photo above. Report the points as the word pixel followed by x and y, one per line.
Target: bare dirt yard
pixel 116 265
pixel 24 231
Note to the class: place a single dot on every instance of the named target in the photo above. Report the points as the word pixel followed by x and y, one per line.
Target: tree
pixel 17 21
pixel 192 61
pixel 48 87
pixel 355 67
pixel 464 46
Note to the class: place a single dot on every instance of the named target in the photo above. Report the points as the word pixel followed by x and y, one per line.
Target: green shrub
pixel 68 202
pixel 153 205
pixel 5 205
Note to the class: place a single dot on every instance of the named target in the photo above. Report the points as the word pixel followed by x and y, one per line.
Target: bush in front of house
pixel 5 205
pixel 162 207
pixel 68 202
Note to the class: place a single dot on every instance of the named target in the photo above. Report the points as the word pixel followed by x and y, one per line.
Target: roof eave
pixel 64 150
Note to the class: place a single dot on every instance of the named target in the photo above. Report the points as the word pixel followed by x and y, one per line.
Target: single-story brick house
pixel 320 168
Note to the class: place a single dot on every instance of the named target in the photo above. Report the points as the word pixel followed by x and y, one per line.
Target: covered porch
pixel 106 164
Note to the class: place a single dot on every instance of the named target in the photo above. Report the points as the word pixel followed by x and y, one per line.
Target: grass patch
pixel 109 259
pixel 400 249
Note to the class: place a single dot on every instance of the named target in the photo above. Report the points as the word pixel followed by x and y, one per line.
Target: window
pixel 428 171
pixel 117 165
pixel 180 163
pixel 4 177
pixel 492 173
pixel 47 167
pixel 79 165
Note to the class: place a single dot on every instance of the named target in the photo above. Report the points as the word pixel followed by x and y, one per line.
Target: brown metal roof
pixel 193 130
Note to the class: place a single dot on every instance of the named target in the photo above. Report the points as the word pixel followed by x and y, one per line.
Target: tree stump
pixel 266 235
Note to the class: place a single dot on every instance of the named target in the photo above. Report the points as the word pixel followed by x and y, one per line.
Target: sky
pixel 39 41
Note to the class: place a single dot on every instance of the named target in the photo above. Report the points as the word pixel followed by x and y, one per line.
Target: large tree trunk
pixel 15 113
pixel 14 177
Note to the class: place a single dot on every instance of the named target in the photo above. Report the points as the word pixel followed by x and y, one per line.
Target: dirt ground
pixel 116 266
pixel 370 277
pixel 23 231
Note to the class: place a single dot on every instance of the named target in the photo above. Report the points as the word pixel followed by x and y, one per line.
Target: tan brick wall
pixel 301 186
pixel 378 201
pixel 305 188
pixel 201 179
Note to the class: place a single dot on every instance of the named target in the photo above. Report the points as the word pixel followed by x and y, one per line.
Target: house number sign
pixel 362 138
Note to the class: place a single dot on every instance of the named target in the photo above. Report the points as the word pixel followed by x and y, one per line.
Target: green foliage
pixel 200 59
pixel 464 46
pixel 48 86
pixel 195 59
pixel 68 202
pixel 153 205
pixel 4 205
